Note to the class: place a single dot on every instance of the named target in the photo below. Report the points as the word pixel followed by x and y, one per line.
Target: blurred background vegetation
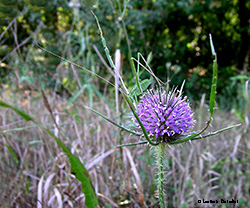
pixel 175 31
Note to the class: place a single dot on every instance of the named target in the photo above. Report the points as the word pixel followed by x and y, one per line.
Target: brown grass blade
pixel 46 103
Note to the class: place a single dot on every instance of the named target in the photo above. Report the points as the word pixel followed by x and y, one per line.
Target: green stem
pixel 160 181
pixel 130 58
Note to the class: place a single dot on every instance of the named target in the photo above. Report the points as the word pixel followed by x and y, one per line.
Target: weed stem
pixel 160 180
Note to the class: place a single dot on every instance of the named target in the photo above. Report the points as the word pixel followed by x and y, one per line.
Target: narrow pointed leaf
pixel 24 115
pixel 100 95
pixel 144 85
pixel 106 50
pixel 216 132
pixel 72 99
pixel 196 136
pixel 77 167
pixel 114 123
pixel 11 151
pixel 81 174
pixel 132 144
pixel 185 139
pixel 214 81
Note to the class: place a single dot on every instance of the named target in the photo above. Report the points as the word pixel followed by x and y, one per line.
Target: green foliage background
pixel 176 32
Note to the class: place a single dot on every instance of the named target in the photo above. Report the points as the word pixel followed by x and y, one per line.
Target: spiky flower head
pixel 166 116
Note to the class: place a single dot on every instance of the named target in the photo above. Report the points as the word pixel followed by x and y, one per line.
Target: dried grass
pixel 212 168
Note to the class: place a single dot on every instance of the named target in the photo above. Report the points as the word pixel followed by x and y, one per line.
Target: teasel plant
pixel 163 116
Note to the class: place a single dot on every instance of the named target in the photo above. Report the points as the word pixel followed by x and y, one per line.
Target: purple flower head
pixel 165 115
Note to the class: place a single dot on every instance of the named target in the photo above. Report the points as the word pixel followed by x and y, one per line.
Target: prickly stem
pixel 160 180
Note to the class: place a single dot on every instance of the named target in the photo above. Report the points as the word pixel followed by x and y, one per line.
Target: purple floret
pixel 165 114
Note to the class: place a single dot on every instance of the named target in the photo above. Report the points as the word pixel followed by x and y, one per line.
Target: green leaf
pixel 100 95
pixel 106 50
pixel 149 57
pixel 185 139
pixel 240 77
pixel 81 174
pixel 24 115
pixel 196 136
pixel 214 81
pixel 144 85
pixel 108 205
pixel 72 99
pixel 132 144
pixel 11 151
pixel 212 45
pixel 90 95
pixel 114 123
pixel 90 88
pixel 77 167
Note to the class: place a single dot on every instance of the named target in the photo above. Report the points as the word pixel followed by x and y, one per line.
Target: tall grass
pixel 211 169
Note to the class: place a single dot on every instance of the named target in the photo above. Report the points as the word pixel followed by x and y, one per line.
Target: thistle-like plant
pixel 162 116
pixel 166 115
